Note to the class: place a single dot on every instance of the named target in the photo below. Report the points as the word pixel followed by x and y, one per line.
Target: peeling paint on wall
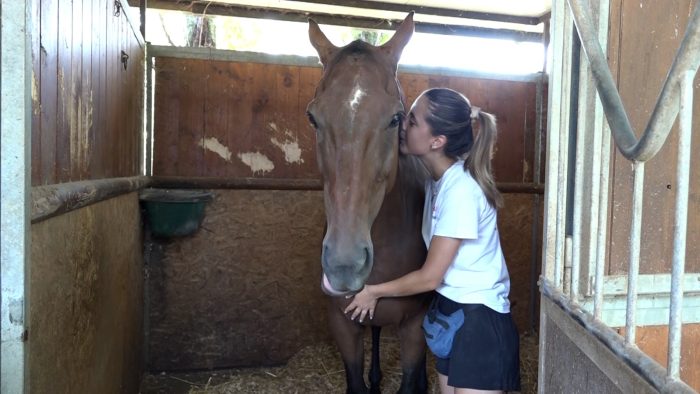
pixel 213 145
pixel 257 162
pixel 290 144
pixel 36 100
pixel 292 152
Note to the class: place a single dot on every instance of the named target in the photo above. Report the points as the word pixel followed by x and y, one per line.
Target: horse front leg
pixel 375 370
pixel 348 336
pixel 413 348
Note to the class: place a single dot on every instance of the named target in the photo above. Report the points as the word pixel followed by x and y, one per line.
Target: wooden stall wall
pixel 85 272
pixel 256 261
pixel 85 310
pixel 87 105
pixel 643 40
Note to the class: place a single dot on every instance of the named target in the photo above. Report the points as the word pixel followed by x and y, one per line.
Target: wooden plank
pixel 166 122
pixel 649 37
pixel 191 120
pixel 135 100
pixel 64 102
pixel 96 61
pixel 266 108
pixel 120 155
pixel 308 79
pixel 49 93
pixel 111 142
pixel 217 98
pixel 87 95
pixel 35 26
pixel 97 167
pixel 242 113
pixel 76 132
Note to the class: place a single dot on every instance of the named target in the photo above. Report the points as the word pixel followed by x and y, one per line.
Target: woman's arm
pixel 441 252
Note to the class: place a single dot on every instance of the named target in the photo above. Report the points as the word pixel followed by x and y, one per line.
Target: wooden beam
pixel 224 9
pixel 419 9
pixel 292 184
pixel 51 200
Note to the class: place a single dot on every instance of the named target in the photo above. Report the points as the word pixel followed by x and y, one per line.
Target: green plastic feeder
pixel 174 213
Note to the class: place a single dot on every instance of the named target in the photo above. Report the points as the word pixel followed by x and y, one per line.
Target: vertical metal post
pixel 563 151
pixel 15 124
pixel 602 221
pixel 549 238
pixel 536 200
pixel 574 249
pixel 680 224
pixel 552 165
pixel 598 128
pixel 635 241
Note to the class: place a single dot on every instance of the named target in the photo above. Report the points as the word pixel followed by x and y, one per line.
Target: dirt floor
pixel 315 369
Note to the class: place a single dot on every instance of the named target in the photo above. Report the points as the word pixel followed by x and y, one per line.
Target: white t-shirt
pixel 456 207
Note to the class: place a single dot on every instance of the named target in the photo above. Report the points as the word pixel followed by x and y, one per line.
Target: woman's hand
pixel 363 304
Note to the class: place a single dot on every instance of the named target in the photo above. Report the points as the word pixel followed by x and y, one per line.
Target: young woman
pixel 465 263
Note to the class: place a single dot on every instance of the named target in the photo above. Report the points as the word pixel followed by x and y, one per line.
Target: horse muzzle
pixel 343 274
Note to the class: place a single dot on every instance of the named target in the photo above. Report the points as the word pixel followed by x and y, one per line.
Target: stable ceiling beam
pixel 227 9
pixel 419 9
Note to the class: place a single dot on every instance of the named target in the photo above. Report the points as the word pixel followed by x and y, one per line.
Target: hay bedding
pixel 316 369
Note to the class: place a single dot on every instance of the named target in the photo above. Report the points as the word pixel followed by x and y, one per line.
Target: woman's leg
pixel 444 388
pixel 474 391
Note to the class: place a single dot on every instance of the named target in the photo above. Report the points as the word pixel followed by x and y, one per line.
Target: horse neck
pixel 403 205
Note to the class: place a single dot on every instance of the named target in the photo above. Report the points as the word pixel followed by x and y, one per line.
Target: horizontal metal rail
pixel 666 108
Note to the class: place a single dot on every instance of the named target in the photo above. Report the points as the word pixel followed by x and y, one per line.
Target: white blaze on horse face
pixel 355 98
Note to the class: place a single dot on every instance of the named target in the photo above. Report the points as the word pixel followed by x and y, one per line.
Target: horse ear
pixel 323 46
pixel 395 45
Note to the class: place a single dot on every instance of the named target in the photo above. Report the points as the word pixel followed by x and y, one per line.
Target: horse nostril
pixel 368 256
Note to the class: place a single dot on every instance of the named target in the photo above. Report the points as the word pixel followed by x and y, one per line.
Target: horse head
pixel 357 112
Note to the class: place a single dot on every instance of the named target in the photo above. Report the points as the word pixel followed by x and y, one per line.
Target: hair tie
pixel 475 112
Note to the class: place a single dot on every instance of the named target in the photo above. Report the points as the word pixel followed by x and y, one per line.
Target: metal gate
pixel 586 343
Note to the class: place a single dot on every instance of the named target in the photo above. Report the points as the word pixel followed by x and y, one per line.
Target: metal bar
pixel 602 233
pixel 536 200
pixel 635 358
pixel 554 103
pixel 52 200
pixel 603 7
pixel 578 170
pixel 568 247
pixel 15 177
pixel 225 9
pixel 666 108
pixel 680 224
pixel 635 241
pixel 563 156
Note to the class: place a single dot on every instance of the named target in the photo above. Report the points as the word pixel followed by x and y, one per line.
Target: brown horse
pixel 373 198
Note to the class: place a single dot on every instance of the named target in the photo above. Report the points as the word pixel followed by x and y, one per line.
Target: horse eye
pixel 312 120
pixel 396 120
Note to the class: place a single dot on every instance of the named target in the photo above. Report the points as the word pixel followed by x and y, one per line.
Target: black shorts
pixel 485 352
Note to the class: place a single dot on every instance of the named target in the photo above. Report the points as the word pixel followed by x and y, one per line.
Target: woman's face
pixel 416 137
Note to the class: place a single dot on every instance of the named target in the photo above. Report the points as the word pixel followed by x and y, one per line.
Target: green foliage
pixel 201 31
pixel 370 36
